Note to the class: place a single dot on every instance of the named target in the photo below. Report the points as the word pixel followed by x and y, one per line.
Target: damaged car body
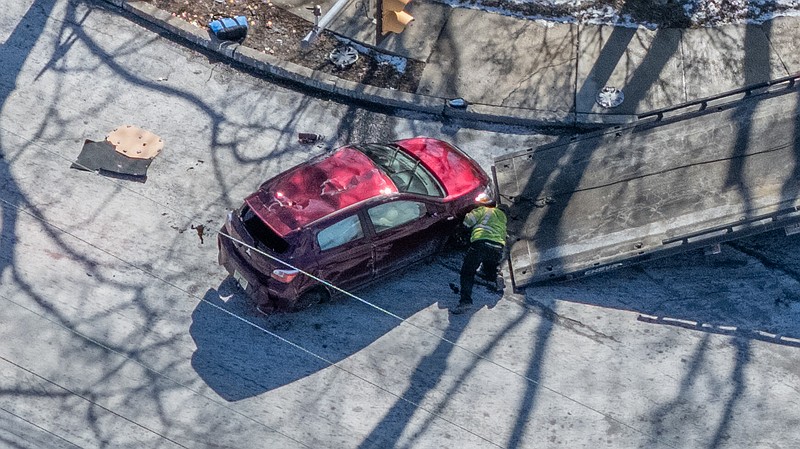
pixel 347 217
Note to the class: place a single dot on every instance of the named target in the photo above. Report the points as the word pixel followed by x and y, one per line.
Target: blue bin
pixel 229 28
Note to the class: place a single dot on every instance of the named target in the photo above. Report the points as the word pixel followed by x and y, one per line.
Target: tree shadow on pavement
pixel 648 288
pixel 74 272
pixel 714 305
pixel 15 52
pixel 242 353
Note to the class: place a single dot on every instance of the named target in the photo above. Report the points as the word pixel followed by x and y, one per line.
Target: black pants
pixel 480 252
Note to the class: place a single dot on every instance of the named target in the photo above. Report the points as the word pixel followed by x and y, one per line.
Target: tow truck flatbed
pixel 678 179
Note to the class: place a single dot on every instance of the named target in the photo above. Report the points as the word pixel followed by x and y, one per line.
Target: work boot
pixel 500 283
pixel 486 276
pixel 462 307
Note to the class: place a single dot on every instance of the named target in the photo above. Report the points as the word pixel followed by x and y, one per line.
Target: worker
pixel 487 227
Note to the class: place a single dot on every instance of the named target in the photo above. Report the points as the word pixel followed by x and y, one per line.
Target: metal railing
pixel 725 98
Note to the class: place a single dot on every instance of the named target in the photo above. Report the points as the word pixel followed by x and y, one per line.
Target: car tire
pixel 312 297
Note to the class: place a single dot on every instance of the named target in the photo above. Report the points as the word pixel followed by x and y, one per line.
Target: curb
pixel 327 83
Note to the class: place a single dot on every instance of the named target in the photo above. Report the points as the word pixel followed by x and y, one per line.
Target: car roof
pixel 319 188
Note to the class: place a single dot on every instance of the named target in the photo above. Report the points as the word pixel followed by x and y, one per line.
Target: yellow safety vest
pixel 487 223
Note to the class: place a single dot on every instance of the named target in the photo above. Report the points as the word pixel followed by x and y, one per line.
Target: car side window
pixel 339 233
pixel 390 215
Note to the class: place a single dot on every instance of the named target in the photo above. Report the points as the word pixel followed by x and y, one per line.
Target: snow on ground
pixel 695 13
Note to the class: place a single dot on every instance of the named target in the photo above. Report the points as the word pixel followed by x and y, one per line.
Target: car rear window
pixel 261 232
pixel 407 173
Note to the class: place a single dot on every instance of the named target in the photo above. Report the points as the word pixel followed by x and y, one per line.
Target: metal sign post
pixel 378 22
pixel 321 23
pixel 317 12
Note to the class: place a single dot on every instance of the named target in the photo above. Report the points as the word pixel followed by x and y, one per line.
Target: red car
pixel 348 217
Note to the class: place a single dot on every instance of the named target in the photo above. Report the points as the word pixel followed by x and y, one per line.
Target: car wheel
pixel 312 297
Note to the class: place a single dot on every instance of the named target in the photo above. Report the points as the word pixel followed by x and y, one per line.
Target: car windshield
pixel 408 174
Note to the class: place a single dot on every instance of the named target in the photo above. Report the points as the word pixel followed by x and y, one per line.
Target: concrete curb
pixel 511 116
pixel 324 82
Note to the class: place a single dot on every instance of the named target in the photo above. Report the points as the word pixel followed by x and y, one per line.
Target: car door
pixel 344 251
pixel 405 231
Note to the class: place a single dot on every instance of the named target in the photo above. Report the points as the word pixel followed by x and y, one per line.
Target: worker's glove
pixel 461 237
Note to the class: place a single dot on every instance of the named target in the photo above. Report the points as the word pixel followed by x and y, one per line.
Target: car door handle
pixel 436 215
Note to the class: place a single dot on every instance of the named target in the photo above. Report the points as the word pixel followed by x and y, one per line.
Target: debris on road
pixel 309 138
pixel 126 153
pixel 458 103
pixel 200 231
pixel 610 97
pixel 135 142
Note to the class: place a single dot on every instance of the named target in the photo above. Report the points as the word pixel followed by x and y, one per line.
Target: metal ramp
pixel 678 179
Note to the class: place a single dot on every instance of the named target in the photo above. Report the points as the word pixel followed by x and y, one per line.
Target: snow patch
pixel 701 13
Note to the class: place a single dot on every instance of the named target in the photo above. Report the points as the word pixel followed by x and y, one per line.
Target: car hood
pixel 318 188
pixel 457 172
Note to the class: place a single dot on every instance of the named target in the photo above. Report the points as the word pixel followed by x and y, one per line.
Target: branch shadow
pixel 241 359
pixel 23 215
pixel 565 166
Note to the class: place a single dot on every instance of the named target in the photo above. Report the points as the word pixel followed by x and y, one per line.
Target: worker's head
pixel 484 199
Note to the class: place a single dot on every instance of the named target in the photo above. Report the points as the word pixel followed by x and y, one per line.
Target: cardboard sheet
pixel 135 142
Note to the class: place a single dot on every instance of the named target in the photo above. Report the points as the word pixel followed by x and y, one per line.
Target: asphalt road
pixel 120 330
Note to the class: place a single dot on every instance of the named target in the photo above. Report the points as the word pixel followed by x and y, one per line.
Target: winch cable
pixel 442 338
pixel 317 356
pixel 122 186
pixel 240 318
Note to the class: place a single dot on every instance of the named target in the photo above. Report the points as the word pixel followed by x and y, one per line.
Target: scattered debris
pixel 397 63
pixel 126 153
pixel 610 97
pixel 343 56
pixel 309 138
pixel 458 103
pixel 135 142
pixel 199 161
pixel 269 23
pixel 229 28
pixel 200 231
